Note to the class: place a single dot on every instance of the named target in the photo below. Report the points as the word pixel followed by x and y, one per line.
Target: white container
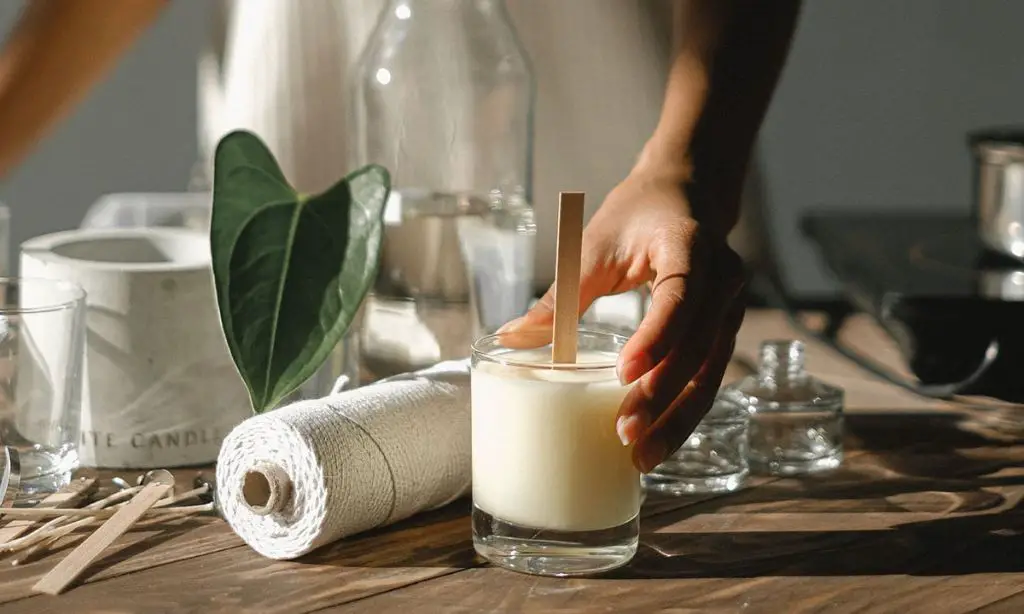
pixel 554 490
pixel 160 388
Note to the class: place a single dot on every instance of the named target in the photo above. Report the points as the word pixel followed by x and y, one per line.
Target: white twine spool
pixel 305 475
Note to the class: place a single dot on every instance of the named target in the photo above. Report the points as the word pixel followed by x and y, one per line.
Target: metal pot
pixel 999 189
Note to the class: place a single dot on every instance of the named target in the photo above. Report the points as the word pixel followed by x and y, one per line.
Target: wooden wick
pixel 567 276
pixel 156 510
pixel 68 570
pixel 68 496
pixel 47 528
pixel 48 534
pixel 266 489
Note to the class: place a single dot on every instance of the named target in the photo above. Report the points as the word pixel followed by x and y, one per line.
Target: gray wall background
pixel 872 111
pixel 135 132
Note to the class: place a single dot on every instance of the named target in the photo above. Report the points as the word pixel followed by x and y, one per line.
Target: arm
pixel 728 62
pixel 56 53
pixel 666 223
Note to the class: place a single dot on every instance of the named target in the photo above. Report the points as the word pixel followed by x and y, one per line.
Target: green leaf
pixel 290 269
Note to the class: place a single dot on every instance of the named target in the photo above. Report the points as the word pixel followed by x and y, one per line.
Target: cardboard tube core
pixel 266 489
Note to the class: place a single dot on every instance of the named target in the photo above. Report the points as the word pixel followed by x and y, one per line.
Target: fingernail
pixel 629 428
pixel 631 371
pixel 652 455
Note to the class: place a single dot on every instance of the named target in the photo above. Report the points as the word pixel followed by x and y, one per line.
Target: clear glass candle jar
pixel 714 457
pixel 796 420
pixel 554 490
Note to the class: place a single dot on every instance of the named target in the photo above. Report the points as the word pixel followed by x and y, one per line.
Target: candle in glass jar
pixel 545 451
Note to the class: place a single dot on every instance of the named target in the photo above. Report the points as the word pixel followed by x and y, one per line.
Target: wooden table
pixel 923 517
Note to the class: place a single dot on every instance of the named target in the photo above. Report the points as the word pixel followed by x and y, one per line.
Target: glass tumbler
pixel 554 490
pixel 447 276
pixel 42 345
pixel 713 458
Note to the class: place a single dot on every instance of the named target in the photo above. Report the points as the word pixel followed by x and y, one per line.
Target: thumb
pixel 542 315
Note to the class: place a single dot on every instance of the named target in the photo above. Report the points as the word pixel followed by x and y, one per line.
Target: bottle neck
pixel 782 361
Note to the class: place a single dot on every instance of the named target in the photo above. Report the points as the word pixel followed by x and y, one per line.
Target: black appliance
pixel 955 309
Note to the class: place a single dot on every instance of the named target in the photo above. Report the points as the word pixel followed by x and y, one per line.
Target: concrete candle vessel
pixel 160 387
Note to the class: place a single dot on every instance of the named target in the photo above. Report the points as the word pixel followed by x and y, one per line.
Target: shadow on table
pixel 438 538
pixel 925 463
pixel 955 546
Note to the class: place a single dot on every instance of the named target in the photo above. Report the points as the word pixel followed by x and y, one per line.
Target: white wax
pixel 545 450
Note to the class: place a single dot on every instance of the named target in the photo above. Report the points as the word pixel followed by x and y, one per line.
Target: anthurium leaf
pixel 290 270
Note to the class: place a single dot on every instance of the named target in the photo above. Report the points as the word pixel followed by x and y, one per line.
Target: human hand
pixel 644 232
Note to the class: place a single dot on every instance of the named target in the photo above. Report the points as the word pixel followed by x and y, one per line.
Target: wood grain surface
pixel 924 516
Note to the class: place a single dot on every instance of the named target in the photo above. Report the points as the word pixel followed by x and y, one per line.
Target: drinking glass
pixel 42 344
pixel 712 459
pixel 449 273
pixel 554 490
pixel 497 250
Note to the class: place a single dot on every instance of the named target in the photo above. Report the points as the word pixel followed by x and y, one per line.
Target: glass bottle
pixel 712 459
pixel 443 98
pixel 796 420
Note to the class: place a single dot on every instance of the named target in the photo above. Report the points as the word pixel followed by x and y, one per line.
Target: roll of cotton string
pixel 316 471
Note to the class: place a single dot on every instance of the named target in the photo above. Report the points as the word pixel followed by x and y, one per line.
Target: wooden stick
pixel 96 511
pixel 68 496
pixel 53 534
pixel 48 527
pixel 101 513
pixel 40 541
pixel 47 534
pixel 68 570
pixel 567 276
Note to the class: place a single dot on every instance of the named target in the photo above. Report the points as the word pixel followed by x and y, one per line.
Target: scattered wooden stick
pixel 102 513
pixel 57 528
pixel 68 496
pixel 54 534
pixel 72 566
pixel 107 501
pixel 32 550
pixel 567 276
pixel 158 508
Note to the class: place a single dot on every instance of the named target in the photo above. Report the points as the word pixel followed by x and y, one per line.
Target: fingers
pixel 663 327
pixel 536 325
pixel 526 338
pixel 680 260
pixel 541 314
pixel 675 425
pixel 657 390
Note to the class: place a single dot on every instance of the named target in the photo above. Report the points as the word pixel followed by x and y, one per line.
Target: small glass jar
pixel 796 420
pixel 714 457
pixel 554 490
